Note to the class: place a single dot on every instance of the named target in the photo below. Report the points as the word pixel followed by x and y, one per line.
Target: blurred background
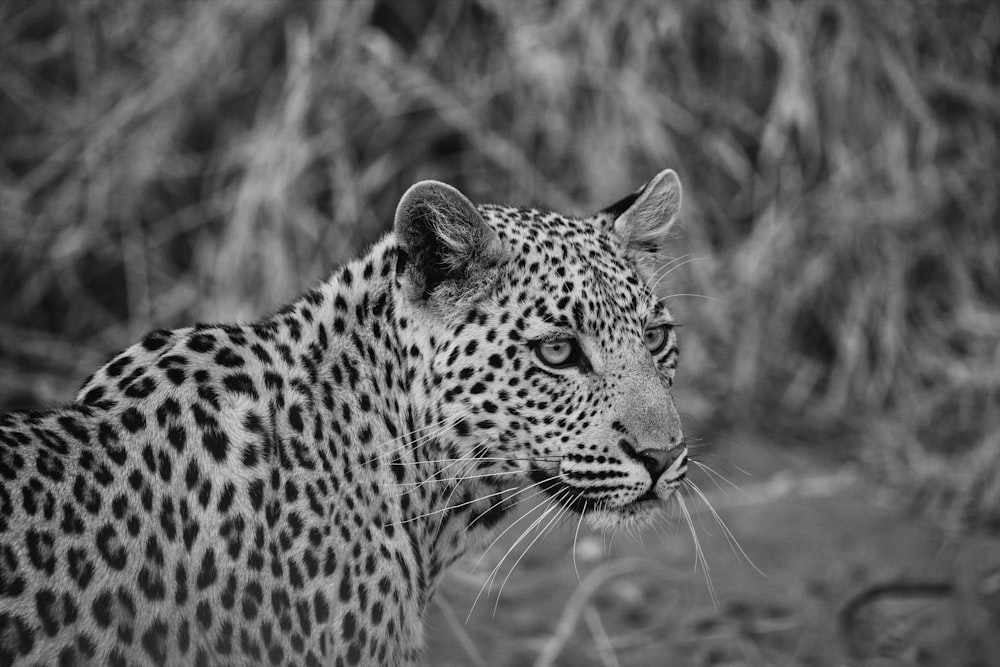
pixel 837 268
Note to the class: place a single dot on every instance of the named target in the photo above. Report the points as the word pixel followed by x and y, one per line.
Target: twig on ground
pixel 847 616
pixel 580 598
pixel 601 639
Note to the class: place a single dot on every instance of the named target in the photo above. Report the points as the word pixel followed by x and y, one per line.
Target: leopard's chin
pixel 645 511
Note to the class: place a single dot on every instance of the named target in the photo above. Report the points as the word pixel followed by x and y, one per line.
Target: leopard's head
pixel 553 358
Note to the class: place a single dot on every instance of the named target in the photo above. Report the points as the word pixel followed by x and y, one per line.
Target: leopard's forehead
pixel 583 245
pixel 539 230
pixel 573 269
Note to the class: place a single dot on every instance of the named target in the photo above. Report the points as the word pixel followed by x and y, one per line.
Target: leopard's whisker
pixel 439 427
pixel 560 511
pixel 403 437
pixel 576 536
pixel 699 296
pixel 434 476
pixel 455 487
pixel 730 538
pixel 613 535
pixel 430 478
pixel 550 506
pixel 635 534
pixel 699 553
pixel 660 528
pixel 716 476
pixel 499 502
pixel 658 275
pixel 463 478
pixel 515 522
pixel 567 517
pixel 433 479
pixel 687 260
pixel 436 424
pixel 452 462
pixel 674 516
pixel 539 489
pixel 487 582
pixel 449 508
pixel 476 458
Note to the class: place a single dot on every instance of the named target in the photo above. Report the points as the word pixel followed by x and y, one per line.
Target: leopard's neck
pixel 377 421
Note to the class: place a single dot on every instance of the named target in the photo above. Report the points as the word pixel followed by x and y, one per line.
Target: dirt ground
pixel 844 576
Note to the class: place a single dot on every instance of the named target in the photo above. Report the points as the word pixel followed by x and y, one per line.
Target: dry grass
pixel 168 162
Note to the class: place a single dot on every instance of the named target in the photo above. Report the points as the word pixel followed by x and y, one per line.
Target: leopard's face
pixel 559 381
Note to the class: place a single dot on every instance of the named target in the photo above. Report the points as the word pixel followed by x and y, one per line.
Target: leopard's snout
pixel 659 461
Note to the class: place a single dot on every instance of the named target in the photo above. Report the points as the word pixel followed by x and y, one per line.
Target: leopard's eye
pixel 557 353
pixel 655 338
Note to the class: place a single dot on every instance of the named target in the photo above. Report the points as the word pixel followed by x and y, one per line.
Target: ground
pixel 822 533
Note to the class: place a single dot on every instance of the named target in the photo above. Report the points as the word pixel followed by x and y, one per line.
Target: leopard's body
pixel 291 491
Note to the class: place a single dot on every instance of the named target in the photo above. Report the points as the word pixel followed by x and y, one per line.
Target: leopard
pixel 292 491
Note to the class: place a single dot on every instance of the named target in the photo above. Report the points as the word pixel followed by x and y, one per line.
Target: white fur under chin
pixel 631 516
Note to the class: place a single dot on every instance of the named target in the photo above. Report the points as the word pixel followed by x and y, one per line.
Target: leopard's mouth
pixel 647 503
pixel 648 497
pixel 576 499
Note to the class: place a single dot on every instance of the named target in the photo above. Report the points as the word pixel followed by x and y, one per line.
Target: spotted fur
pixel 291 491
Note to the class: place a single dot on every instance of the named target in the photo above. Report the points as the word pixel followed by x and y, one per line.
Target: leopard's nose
pixel 654 459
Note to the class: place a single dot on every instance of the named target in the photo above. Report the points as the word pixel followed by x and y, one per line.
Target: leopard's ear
pixel 642 220
pixel 442 241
